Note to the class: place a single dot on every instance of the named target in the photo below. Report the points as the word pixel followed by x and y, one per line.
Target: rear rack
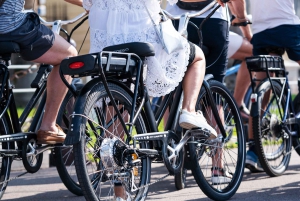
pixel 265 63
pixel 117 64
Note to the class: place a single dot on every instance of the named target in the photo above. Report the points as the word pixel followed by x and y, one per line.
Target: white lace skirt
pixel 127 22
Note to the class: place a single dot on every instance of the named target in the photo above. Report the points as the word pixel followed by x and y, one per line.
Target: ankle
pixel 120 191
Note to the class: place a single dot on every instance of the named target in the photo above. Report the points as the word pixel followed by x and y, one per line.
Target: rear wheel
pixel 207 156
pixel 100 157
pixel 5 161
pixel 273 144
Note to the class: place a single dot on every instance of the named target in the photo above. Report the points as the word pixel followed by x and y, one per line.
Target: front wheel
pixel 100 156
pixel 272 143
pixel 218 164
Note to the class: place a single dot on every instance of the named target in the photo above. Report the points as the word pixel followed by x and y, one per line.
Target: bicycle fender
pixel 76 126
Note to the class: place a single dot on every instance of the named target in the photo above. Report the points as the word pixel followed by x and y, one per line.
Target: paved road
pixel 45 185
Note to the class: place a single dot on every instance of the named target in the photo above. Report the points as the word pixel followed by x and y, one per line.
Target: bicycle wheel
pixel 64 156
pixel 272 143
pixel 296 140
pixel 207 156
pixel 99 159
pixel 5 161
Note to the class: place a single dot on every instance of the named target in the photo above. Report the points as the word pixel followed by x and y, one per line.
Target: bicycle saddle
pixel 275 50
pixel 9 47
pixel 138 48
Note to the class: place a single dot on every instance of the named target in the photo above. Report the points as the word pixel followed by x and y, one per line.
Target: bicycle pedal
pixel 200 133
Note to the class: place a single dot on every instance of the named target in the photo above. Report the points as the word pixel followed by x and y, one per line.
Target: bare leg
pixel 243 77
pixel 56 89
pixel 192 81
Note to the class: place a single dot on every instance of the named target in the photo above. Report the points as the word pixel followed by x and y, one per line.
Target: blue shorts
pixel 284 36
pixel 34 39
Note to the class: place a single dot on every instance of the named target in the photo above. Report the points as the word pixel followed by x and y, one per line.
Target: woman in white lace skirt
pixel 114 22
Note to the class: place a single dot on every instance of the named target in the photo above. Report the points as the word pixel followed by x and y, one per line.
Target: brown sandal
pixel 51 137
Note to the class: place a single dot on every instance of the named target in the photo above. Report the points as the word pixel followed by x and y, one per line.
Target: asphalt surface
pixel 45 185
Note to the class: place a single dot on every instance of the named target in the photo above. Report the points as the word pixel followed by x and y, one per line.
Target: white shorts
pixel 235 42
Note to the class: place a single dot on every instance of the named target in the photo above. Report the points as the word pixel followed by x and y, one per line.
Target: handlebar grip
pixel 41 76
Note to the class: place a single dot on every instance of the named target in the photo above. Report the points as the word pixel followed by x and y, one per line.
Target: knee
pixel 72 51
pixel 199 57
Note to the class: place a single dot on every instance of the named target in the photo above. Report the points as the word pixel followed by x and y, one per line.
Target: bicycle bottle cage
pixel 264 63
pixel 122 65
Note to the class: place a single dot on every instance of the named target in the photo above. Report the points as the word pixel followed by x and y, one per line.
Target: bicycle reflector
pixel 76 65
pixel 253 98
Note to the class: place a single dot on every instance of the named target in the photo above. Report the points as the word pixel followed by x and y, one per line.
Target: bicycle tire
pixel 296 140
pixel 203 152
pixel 180 179
pixel 101 121
pixel 5 160
pixel 272 145
pixel 63 156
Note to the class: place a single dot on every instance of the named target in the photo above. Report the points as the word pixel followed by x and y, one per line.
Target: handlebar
pixel 64 22
pixel 191 14
pixel 56 25
pixel 184 18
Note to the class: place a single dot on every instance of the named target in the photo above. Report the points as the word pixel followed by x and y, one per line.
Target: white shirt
pixel 221 13
pixel 268 14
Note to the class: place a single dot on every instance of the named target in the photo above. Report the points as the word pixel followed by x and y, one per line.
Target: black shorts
pixel 215 38
pixel 34 38
pixel 284 36
pixel 192 53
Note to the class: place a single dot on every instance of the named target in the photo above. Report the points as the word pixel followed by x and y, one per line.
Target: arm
pixel 75 2
pixel 238 8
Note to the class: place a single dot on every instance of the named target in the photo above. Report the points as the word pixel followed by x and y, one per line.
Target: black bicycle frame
pixel 8 103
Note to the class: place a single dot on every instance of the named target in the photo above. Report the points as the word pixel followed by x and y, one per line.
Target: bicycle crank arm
pixel 39 150
pixel 17 137
pixel 163 136
pixel 196 132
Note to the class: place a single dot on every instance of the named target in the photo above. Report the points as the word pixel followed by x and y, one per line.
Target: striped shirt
pixel 11 16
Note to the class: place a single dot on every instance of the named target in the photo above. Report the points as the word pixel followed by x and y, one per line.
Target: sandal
pixel 224 177
pixel 51 137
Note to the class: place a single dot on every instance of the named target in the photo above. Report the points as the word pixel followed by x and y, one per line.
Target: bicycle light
pixel 76 65
pixel 253 98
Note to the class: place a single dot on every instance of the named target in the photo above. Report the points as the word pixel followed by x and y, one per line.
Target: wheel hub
pixel 111 153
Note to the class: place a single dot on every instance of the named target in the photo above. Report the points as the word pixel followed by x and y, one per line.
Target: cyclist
pixel 275 24
pixel 217 44
pixel 122 21
pixel 38 44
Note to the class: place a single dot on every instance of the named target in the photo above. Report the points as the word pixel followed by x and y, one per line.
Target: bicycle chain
pixel 158 180
pixel 16 177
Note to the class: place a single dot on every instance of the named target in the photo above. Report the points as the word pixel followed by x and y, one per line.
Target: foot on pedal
pixel 190 120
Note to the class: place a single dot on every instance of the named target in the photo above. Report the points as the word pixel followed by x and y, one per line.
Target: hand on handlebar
pixel 222 2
